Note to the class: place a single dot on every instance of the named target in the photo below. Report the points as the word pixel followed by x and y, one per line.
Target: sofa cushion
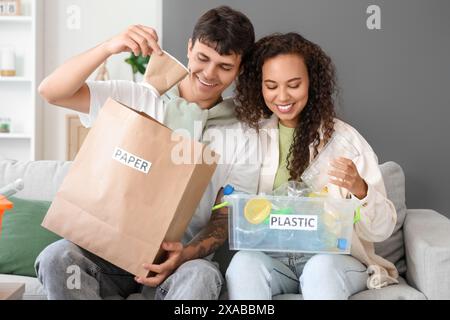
pixel 22 237
pixel 401 291
pixel 42 179
pixel 393 248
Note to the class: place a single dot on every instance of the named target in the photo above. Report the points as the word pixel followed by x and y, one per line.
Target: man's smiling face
pixel 211 73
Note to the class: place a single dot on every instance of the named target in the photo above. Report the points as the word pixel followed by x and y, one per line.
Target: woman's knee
pixel 325 277
pixel 321 269
pixel 324 264
pixel 243 262
pixel 321 264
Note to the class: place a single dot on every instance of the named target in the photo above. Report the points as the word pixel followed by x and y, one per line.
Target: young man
pixel 220 40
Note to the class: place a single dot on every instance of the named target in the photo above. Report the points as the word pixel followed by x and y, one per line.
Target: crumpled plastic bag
pixel 292 189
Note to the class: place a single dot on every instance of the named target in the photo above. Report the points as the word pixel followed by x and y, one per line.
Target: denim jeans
pixel 59 263
pixel 254 275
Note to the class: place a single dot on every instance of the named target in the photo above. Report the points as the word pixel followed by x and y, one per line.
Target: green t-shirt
pixel 286 137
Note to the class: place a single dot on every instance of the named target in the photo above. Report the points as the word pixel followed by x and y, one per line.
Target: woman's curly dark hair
pixel 319 109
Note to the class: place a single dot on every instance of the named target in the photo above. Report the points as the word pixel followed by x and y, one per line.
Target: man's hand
pixel 206 242
pixel 164 270
pixel 137 39
pixel 345 174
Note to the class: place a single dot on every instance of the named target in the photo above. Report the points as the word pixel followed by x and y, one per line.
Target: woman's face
pixel 285 87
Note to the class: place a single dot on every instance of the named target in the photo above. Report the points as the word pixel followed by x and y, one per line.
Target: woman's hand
pixel 137 39
pixel 343 173
pixel 164 270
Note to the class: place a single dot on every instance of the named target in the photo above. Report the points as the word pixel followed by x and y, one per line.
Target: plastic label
pixel 293 222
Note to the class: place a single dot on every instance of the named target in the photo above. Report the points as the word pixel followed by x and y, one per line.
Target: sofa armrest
pixel 427 247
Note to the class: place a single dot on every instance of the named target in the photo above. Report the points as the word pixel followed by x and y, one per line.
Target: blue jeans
pixel 59 263
pixel 254 275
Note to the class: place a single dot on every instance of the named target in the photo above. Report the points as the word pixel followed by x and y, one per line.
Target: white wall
pixel 99 20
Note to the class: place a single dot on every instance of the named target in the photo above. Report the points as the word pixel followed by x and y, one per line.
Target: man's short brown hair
pixel 226 30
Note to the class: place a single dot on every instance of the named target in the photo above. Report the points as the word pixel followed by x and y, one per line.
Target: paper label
pixel 293 222
pixel 131 160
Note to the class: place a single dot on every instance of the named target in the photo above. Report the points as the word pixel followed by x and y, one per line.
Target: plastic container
pixel 8 63
pixel 290 224
pixel 316 174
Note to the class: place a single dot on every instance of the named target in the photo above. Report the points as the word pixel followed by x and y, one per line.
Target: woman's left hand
pixel 343 173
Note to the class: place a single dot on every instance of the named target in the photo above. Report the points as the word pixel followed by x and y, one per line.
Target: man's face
pixel 211 73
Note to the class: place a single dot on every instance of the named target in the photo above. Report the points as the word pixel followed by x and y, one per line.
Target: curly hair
pixel 319 112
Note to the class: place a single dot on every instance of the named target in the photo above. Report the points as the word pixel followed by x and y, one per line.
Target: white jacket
pixel 378 214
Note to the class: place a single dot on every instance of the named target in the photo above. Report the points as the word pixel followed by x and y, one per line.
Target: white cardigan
pixel 378 214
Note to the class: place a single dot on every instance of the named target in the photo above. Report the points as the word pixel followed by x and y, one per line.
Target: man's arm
pixel 211 237
pixel 66 86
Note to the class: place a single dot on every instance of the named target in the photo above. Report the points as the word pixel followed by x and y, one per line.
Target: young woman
pixel 288 85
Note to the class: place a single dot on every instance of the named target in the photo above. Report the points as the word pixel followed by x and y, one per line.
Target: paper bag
pixel 163 72
pixel 124 194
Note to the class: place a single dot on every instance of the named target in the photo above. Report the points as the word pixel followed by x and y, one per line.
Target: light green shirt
pixel 181 114
pixel 286 136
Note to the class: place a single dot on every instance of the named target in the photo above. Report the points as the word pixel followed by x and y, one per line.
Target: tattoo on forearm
pixel 213 236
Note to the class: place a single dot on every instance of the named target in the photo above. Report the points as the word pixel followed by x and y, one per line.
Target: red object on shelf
pixel 4 205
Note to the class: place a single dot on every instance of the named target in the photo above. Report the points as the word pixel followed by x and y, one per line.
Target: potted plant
pixel 138 64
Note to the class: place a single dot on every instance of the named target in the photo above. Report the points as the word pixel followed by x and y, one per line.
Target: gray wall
pixel 395 81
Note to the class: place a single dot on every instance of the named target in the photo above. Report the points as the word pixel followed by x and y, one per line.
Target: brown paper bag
pixel 163 72
pixel 124 194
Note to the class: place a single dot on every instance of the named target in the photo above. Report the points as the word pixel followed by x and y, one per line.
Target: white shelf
pixel 15 19
pixel 18 95
pixel 19 136
pixel 15 79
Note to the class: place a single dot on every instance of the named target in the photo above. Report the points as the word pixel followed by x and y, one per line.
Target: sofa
pixel 419 245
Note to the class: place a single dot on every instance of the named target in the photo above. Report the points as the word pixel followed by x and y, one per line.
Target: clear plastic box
pixel 290 224
pixel 316 174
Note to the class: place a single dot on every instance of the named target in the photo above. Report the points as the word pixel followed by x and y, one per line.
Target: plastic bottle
pixel 12 188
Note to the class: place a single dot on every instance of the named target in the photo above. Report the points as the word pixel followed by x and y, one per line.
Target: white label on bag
pixel 131 160
pixel 293 222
